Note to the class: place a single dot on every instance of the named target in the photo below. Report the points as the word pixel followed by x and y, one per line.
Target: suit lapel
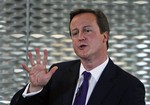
pixel 71 80
pixel 103 86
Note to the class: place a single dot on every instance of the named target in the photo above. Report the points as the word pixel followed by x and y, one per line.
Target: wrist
pixel 33 88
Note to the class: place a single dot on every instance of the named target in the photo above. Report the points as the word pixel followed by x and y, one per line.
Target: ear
pixel 106 36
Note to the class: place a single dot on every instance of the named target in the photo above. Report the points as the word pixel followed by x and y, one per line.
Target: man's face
pixel 87 40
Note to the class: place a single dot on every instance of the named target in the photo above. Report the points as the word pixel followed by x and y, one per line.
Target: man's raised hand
pixel 38 74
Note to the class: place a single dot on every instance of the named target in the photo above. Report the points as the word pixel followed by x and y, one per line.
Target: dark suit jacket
pixel 114 87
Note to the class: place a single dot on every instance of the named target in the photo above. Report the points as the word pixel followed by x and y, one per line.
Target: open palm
pixel 38 74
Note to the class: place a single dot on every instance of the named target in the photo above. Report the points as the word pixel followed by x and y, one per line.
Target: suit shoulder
pixel 119 72
pixel 126 76
pixel 67 62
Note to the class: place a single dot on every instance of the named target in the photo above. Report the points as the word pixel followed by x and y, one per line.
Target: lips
pixel 82 46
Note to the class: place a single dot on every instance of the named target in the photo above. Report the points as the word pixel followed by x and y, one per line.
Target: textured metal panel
pixel 27 24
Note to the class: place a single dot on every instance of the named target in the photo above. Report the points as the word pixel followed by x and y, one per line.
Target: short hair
pixel 100 18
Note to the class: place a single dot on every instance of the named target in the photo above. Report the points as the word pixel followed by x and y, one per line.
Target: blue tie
pixel 80 98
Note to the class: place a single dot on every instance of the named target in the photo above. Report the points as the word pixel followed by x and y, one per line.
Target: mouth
pixel 81 47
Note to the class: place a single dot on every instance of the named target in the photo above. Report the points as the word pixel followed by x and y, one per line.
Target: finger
pixel 45 57
pixel 31 59
pixel 25 67
pixel 52 71
pixel 38 57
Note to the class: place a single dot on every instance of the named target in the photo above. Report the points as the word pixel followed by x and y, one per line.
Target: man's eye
pixel 74 33
pixel 87 30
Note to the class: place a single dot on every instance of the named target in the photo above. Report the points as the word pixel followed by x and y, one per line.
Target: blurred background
pixel 28 24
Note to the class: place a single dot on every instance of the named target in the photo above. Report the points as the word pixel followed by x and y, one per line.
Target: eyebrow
pixel 83 27
pixel 87 26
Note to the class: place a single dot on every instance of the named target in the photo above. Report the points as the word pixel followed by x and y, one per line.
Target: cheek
pixel 73 43
pixel 97 42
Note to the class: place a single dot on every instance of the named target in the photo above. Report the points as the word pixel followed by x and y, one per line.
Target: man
pixel 108 84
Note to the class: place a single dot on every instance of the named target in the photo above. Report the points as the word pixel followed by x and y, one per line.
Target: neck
pixel 90 64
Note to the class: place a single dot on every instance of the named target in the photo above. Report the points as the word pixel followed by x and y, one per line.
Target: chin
pixel 83 56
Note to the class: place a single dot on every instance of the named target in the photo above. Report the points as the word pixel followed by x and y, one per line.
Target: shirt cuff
pixel 26 94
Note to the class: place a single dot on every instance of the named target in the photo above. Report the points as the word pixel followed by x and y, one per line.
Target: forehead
pixel 83 19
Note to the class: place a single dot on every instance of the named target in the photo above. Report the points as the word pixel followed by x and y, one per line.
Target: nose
pixel 81 37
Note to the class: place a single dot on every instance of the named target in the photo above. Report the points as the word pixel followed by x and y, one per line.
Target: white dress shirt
pixel 95 75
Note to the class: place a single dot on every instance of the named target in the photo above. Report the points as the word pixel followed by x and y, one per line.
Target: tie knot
pixel 86 75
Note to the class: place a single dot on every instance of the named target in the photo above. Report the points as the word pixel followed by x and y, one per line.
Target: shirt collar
pixel 97 71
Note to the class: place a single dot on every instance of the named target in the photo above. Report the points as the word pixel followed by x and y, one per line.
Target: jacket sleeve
pixel 38 99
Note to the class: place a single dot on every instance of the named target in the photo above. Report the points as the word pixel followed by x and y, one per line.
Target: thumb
pixel 52 71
